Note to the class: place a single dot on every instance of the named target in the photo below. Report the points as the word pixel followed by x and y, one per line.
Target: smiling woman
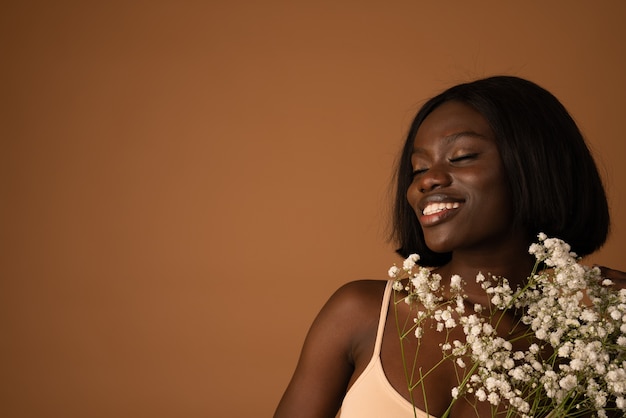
pixel 486 166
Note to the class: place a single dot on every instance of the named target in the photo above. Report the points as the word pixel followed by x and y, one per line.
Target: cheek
pixel 499 192
pixel 486 176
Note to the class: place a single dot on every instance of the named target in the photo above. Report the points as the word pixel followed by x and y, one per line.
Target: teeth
pixel 438 207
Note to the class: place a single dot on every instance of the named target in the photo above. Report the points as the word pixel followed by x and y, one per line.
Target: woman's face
pixel 459 191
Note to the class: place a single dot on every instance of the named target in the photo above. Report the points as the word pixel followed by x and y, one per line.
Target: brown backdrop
pixel 183 184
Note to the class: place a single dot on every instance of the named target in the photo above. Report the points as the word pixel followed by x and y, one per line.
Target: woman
pixel 486 166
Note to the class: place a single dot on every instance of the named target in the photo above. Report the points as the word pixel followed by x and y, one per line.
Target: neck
pixel 512 262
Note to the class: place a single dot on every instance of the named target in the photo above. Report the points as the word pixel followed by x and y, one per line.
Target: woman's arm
pixel 326 363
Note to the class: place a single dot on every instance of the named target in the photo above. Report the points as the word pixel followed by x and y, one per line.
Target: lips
pixel 437 207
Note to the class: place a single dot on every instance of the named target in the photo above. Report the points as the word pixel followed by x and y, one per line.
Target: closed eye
pixel 463 157
pixel 419 171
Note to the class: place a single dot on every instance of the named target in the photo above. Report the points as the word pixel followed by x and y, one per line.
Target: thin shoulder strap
pixel 383 319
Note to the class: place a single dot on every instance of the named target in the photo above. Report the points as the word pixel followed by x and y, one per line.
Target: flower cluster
pixel 565 354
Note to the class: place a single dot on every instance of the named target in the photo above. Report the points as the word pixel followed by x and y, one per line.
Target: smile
pixel 433 208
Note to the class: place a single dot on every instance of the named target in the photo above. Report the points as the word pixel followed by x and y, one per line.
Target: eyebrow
pixel 448 139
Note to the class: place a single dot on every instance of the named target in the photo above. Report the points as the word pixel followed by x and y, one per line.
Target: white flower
pixel 565 349
pixel 455 282
pixel 575 360
pixel 508 363
pixel 588 315
pixel 616 315
pixel 460 305
pixel 518 373
pixel 481 395
pixel 493 398
pixel 410 261
pixel 393 272
pixel 577 364
pixel 541 334
pixel 569 382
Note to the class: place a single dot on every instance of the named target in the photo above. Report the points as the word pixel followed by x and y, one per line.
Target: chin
pixel 440 246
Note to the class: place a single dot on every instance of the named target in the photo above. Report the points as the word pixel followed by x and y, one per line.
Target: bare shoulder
pixel 358 302
pixel 619 277
pixel 353 310
pixel 327 361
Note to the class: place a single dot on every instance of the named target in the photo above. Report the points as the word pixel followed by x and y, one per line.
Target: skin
pixel 618 277
pixel 456 160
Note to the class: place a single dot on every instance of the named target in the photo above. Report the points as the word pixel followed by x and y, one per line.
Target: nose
pixel 433 178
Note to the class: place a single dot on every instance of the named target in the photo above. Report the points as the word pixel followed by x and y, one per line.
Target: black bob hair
pixel 554 181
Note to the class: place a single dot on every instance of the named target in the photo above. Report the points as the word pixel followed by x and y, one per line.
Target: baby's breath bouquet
pixel 570 321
